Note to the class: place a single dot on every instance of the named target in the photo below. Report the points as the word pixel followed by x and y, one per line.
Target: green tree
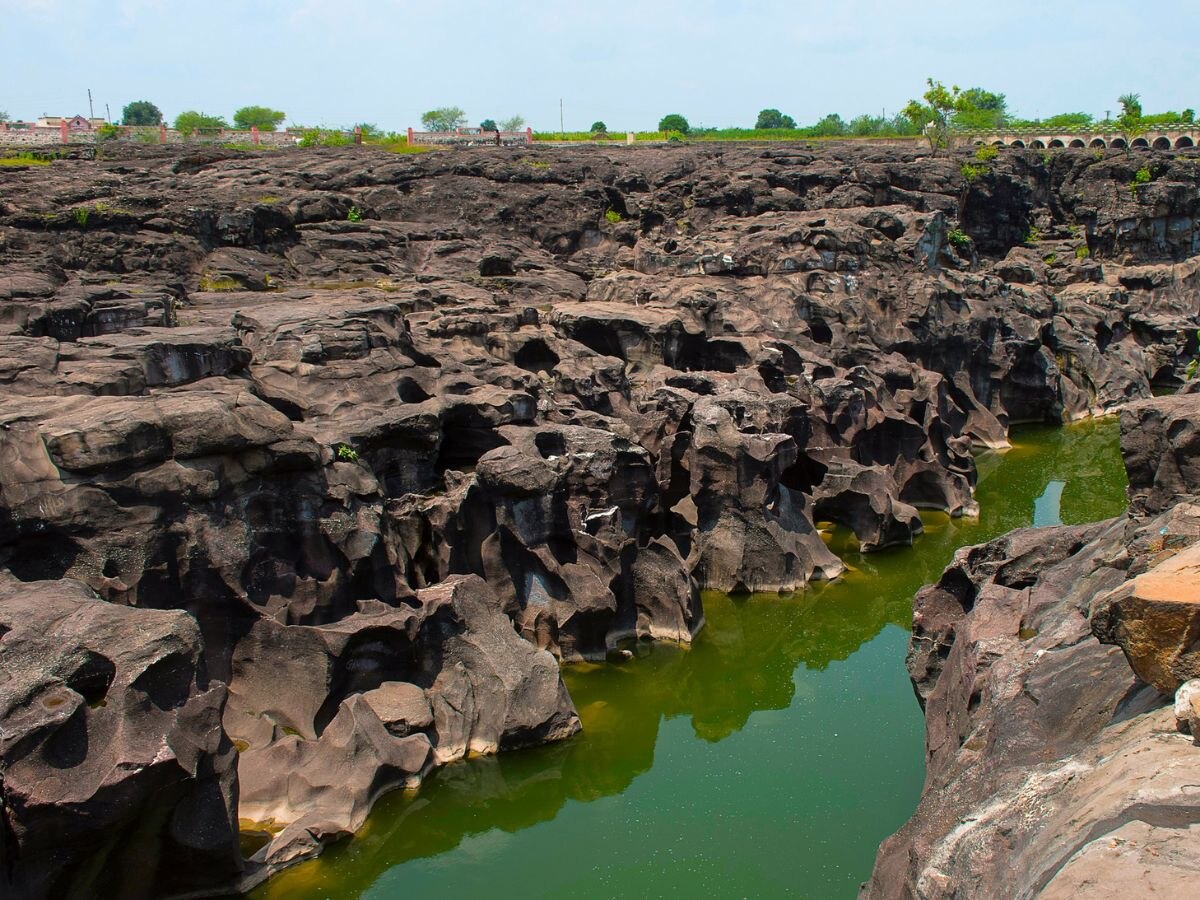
pixel 512 123
pixel 190 120
pixel 598 127
pixel 935 116
pixel 830 126
pixel 141 112
pixel 773 118
pixel 980 110
pixel 444 118
pixel 1069 120
pixel 369 130
pixel 489 125
pixel 3 116
pixel 1130 122
pixel 674 122
pixel 261 117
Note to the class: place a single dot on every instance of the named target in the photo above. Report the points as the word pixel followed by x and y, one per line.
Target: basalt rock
pixel 221 396
pixel 1053 760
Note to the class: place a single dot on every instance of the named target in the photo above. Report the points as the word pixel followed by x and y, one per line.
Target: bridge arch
pixel 1077 144
pixel 1098 142
pixel 1036 145
pixel 1118 144
pixel 1018 143
pixel 998 144
pixel 1184 142
pixel 1162 143
pixel 1140 144
pixel 1056 144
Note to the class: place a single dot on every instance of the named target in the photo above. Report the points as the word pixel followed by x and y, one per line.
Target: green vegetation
pixel 674 122
pixel 1130 123
pixel 261 117
pixel 1141 178
pixel 3 116
pixel 190 120
pixel 23 159
pixel 943 108
pixel 958 238
pixel 1082 252
pixel 986 152
pixel 598 127
pixel 218 283
pixel 107 132
pixel 489 125
pixel 1050 259
pixel 512 123
pixel 141 112
pixel 773 118
pixel 1033 235
pixel 971 172
pixel 323 137
pixel 395 142
pixel 355 214
pixel 345 453
pixel 444 118
pixel 612 216
pixel 1190 372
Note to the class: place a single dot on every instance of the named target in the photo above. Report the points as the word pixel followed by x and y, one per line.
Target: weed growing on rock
pixel 345 453
pixel 971 172
pixel 612 216
pixel 958 238
pixel 81 216
pixel 986 153
pixel 23 159
pixel 1033 235
pixel 355 214
pixel 1141 178
pixel 1082 252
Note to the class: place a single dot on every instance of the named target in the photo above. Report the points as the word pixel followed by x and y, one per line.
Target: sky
pixel 340 62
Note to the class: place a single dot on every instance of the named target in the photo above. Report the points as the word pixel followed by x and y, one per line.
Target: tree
pixel 3 116
pixel 773 118
pixel 489 125
pixel 444 118
pixel 141 112
pixel 598 128
pixel 934 116
pixel 1130 122
pixel 830 126
pixel 1069 120
pixel 674 122
pixel 261 117
pixel 190 120
pixel 512 123
pixel 980 110
pixel 368 129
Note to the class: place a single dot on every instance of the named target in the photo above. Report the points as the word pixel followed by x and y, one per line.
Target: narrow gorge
pixel 322 470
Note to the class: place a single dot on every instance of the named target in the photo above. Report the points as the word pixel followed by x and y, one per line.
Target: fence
pixel 30 134
pixel 470 137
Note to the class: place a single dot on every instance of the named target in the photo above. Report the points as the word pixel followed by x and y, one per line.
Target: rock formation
pixel 1055 767
pixel 522 407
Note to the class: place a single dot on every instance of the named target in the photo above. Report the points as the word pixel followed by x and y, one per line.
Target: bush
pixel 986 152
pixel 674 122
pixel 1141 178
pixel 612 216
pixel 322 137
pixel 971 172
pixel 345 453
pixel 190 120
pixel 1082 252
pixel 107 133
pixel 958 238
pixel 261 117
pixel 355 214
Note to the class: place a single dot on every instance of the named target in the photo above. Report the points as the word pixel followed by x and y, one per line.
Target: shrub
pixel 1082 252
pixel 1141 178
pixel 81 216
pixel 1033 235
pixel 612 216
pixel 986 152
pixel 190 120
pixel 674 122
pixel 322 137
pixel 355 214
pixel 971 172
pixel 107 132
pixel 345 453
pixel 958 238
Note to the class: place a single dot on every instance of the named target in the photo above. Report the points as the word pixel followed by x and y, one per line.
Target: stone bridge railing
pixel 1174 137
pixel 470 137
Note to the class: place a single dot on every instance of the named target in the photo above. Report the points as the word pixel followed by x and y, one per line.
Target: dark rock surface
pixel 1052 769
pixel 390 446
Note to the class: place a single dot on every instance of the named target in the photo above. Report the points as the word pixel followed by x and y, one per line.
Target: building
pixel 74 123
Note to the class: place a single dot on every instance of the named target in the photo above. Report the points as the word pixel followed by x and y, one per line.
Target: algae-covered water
pixel 769 758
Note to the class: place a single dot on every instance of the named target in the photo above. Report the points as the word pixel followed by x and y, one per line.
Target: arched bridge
pixel 1181 137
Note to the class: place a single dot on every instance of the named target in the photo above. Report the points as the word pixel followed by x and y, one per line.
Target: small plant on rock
pixel 355 214
pixel 958 238
pixel 345 453
pixel 1082 252
pixel 1141 178
pixel 81 216
pixel 971 172
pixel 1033 235
pixel 612 216
pixel 986 153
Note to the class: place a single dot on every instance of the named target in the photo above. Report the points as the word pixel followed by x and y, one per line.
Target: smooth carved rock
pixel 115 774
pixel 1155 620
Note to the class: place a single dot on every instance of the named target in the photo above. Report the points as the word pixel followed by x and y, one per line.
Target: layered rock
pixel 1053 768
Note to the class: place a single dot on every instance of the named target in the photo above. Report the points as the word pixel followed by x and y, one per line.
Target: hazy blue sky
pixel 336 62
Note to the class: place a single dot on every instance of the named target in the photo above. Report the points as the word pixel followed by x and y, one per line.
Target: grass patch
pixel 612 216
pixel 23 159
pixel 218 283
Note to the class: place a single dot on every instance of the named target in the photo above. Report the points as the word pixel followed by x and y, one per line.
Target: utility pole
pixel 107 114
pixel 91 111
pixel 562 132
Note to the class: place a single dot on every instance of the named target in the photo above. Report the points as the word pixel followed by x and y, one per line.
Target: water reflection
pixel 787 738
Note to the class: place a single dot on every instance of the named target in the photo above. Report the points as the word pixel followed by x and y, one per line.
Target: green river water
pixel 769 758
